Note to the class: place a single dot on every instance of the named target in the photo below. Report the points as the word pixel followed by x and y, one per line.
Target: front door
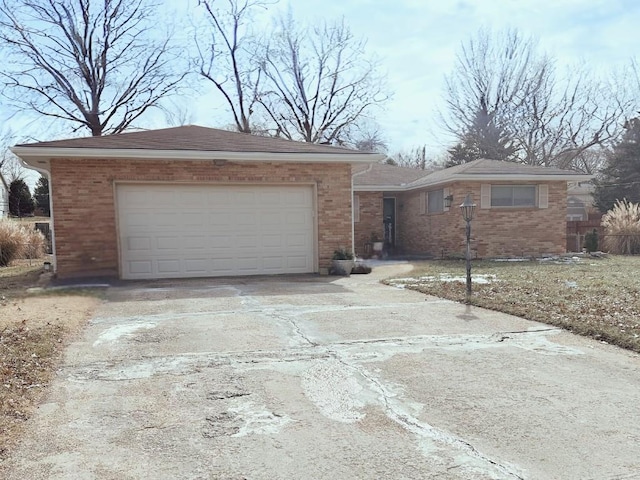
pixel 389 216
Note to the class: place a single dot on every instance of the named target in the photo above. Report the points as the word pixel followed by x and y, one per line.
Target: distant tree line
pixel 22 203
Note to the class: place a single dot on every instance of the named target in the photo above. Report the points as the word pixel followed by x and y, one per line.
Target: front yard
pixel 33 333
pixel 596 297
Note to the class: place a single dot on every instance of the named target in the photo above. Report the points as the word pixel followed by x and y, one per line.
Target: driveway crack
pixel 396 412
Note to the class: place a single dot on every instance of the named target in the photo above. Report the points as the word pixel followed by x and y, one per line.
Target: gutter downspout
pixel 47 174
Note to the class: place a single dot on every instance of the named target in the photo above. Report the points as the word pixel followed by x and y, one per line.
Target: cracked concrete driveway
pixel 325 378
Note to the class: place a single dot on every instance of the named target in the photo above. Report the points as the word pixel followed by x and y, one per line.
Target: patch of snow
pixel 445 277
pixel 114 333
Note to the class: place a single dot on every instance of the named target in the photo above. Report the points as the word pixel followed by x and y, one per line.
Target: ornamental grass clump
pixel 17 241
pixel 622 228
pixel 36 244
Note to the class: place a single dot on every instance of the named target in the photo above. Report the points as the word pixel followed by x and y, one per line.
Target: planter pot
pixel 343 267
pixel 377 248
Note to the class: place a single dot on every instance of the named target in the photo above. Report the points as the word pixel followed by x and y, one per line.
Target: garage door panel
pixel 192 219
pixel 270 199
pixel 273 263
pixel 195 242
pixel 272 241
pixel 300 262
pixel 169 266
pixel 139 244
pixel 219 219
pixel 196 230
pixel 298 198
pixel 197 266
pixel 297 241
pixel 248 264
pixel 245 198
pixel 137 219
pixel 162 198
pixel 218 242
pixel 162 219
pixel 223 266
pixel 141 267
pixel 168 243
pixel 191 197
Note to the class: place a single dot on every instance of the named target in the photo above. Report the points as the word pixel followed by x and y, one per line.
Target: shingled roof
pixel 383 174
pixel 390 177
pixel 193 138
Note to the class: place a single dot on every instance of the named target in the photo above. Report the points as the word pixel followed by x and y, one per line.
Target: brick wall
pixel 370 220
pixel 496 232
pixel 85 218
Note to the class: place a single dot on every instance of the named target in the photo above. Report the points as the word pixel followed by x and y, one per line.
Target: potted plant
pixel 377 244
pixel 343 262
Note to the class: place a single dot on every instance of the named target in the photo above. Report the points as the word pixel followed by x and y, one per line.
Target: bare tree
pixel 545 119
pixel 228 58
pixel 490 75
pixel 414 158
pixel 96 64
pixel 319 82
pixel 10 166
pixel 366 136
pixel 562 121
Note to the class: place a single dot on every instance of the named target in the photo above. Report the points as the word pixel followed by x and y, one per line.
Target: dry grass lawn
pixel 595 297
pixel 33 333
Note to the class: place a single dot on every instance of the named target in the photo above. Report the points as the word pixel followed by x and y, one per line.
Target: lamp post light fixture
pixel 447 201
pixel 468 209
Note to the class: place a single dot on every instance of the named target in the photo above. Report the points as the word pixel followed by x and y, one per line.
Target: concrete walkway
pixel 328 378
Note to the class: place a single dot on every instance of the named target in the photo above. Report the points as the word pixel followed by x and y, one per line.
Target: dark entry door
pixel 389 215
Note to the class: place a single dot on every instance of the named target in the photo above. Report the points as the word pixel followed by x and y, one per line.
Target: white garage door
pixel 171 231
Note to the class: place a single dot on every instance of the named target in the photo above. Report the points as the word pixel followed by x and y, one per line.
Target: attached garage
pixel 195 202
pixel 169 231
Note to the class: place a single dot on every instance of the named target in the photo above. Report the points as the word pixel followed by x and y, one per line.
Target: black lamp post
pixel 468 208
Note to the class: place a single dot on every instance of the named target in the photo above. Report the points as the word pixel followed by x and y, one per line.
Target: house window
pixel 356 208
pixel 435 201
pixel 513 195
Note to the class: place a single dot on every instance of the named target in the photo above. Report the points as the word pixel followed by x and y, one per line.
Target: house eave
pixel 379 188
pixel 39 157
pixel 475 178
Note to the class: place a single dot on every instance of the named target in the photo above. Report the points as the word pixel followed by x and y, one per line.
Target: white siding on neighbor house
pixel 172 231
pixel 4 200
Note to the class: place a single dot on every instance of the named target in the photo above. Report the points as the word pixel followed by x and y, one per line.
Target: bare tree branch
pixel 319 82
pixel 228 57
pixel 547 120
pixel 96 64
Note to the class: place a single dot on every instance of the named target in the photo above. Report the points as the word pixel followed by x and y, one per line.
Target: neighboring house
pixel 521 209
pixel 4 197
pixel 194 202
pixel 580 201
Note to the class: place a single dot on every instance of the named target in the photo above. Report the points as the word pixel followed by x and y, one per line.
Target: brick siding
pixel 85 217
pixel 496 232
pixel 370 220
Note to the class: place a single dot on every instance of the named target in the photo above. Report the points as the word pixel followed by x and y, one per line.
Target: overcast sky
pixel 417 41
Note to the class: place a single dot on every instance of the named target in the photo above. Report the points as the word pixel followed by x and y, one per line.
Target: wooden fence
pixel 577 230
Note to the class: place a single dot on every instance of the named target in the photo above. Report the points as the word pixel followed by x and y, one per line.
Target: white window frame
pixel 535 196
